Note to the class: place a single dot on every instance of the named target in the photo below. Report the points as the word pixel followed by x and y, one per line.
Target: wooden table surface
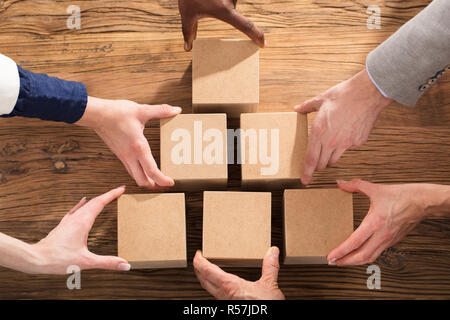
pixel 134 50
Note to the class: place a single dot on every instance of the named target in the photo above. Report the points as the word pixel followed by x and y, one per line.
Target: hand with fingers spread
pixel 65 245
pixel 394 211
pixel 346 114
pixel 226 286
pixel 121 123
pixel 193 10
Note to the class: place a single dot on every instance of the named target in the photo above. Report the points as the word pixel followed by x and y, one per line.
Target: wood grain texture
pixel 134 50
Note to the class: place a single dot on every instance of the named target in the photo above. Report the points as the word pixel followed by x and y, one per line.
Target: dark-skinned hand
pixel 193 10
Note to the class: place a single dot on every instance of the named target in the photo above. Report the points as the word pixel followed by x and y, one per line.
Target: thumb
pixel 245 25
pixel 107 263
pixel 159 111
pixel 356 185
pixel 310 105
pixel 271 265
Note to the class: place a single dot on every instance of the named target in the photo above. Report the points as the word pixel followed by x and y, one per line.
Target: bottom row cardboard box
pixel 315 222
pixel 152 230
pixel 236 227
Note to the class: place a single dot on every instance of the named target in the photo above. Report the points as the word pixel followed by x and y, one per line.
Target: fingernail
pixel 332 262
pixel 274 252
pixel 265 42
pixel 186 46
pixel 339 181
pixel 176 109
pixel 124 267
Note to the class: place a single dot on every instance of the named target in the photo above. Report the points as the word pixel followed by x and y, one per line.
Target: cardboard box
pixel 315 222
pixel 236 227
pixel 194 151
pixel 225 76
pixel 152 230
pixel 281 137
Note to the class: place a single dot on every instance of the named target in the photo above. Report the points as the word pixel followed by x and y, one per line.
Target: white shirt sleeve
pixel 9 84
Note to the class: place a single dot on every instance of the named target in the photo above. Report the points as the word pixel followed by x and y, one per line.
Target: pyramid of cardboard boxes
pixel 236 225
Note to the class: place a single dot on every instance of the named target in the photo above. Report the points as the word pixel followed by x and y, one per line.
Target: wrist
pixel 94 114
pixel 35 260
pixel 379 100
pixel 434 200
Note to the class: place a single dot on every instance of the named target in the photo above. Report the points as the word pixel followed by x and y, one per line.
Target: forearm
pixel 18 255
pixel 435 200
pixel 27 94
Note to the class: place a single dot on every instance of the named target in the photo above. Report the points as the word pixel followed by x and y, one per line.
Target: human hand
pixel 121 123
pixel 346 114
pixel 66 245
pixel 394 211
pixel 193 10
pixel 226 286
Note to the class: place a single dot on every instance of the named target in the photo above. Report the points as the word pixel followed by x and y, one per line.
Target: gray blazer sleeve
pixel 405 65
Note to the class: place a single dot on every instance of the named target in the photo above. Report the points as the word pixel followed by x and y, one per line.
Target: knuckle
pixel 151 171
pixel 311 159
pixel 230 288
pixel 359 142
pixel 137 147
pixel 364 258
pixel 166 109
pixel 317 127
pixel 378 222
pixel 388 235
pixel 371 260
pixel 142 183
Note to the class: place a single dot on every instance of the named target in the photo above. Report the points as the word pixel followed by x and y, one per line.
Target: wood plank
pixel 134 51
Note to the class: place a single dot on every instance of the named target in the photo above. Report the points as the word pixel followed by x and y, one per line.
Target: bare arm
pixel 66 245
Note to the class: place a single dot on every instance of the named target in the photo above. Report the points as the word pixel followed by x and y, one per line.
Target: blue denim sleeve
pixel 49 98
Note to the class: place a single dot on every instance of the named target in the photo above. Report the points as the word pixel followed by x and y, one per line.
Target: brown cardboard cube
pixel 152 230
pixel 225 76
pixel 194 151
pixel 273 149
pixel 236 227
pixel 315 222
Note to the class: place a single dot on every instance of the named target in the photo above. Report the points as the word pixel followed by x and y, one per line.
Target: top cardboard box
pixel 315 222
pixel 225 76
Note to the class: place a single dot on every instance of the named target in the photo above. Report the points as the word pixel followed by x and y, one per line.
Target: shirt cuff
pixel 375 84
pixel 9 84
pixel 49 98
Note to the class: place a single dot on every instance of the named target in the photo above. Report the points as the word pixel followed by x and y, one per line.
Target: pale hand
pixel 66 245
pixel 121 123
pixel 226 286
pixel 346 114
pixel 394 211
